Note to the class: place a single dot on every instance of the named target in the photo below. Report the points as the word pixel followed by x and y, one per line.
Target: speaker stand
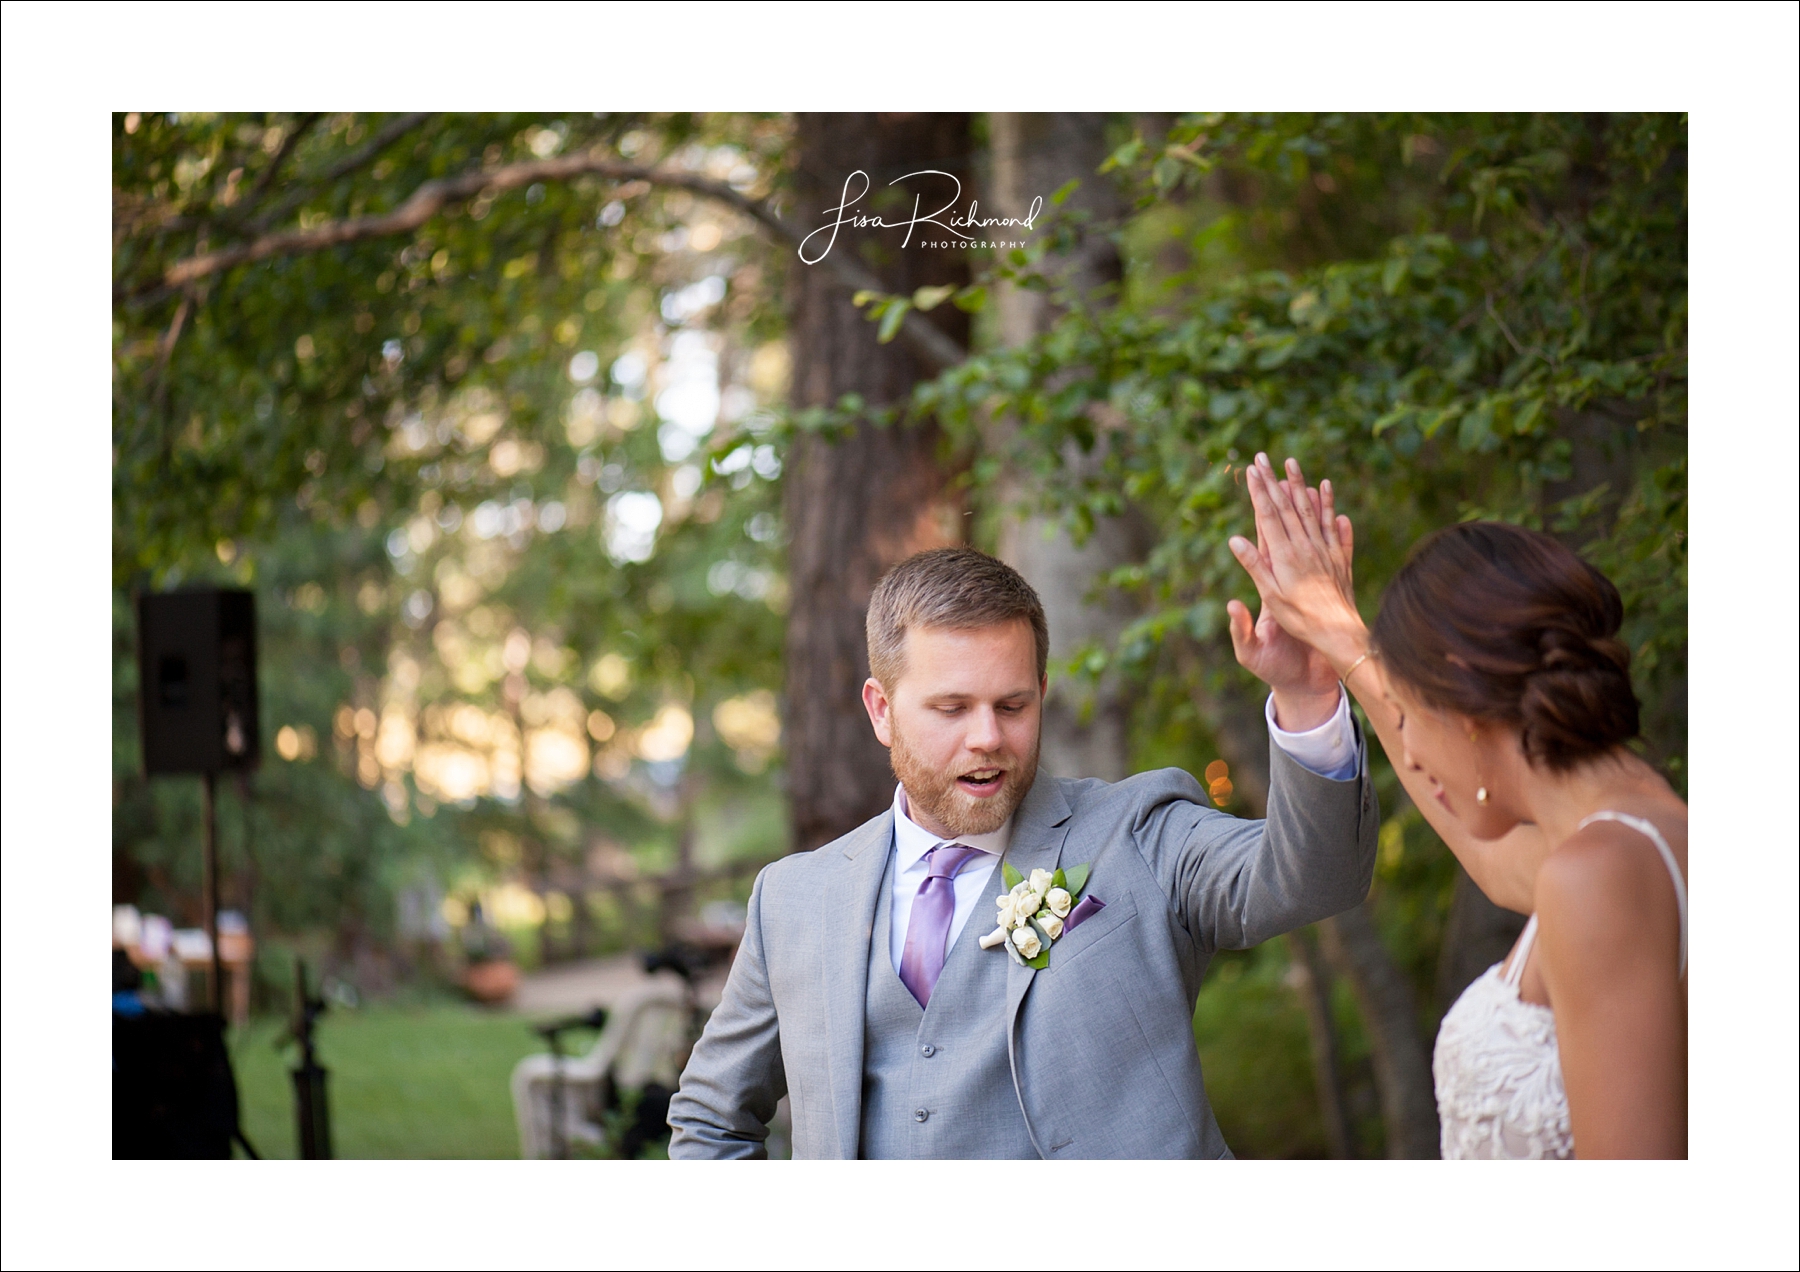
pixel 210 873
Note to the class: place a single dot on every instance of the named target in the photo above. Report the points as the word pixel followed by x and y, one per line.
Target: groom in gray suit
pixel 876 988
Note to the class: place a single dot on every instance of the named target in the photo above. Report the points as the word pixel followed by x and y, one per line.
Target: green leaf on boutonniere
pixel 1041 961
pixel 1077 879
pixel 1043 956
pixel 1059 880
pixel 1013 877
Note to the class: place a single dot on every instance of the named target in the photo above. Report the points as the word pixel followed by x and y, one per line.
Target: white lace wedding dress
pixel 1498 1077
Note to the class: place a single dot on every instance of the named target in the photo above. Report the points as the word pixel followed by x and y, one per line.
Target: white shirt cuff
pixel 1329 750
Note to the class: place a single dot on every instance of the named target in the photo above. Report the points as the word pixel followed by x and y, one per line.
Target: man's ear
pixel 875 702
pixel 1043 687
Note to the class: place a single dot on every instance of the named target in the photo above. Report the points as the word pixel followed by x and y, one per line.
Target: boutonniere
pixel 1036 912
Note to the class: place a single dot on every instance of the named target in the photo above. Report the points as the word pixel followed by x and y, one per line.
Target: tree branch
pixel 395 129
pixel 938 350
pixel 166 347
pixel 267 178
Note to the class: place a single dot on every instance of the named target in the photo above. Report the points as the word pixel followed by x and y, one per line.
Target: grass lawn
pixel 431 1080
pixel 405 1081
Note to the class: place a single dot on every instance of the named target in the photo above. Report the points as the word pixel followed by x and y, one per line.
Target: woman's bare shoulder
pixel 1604 895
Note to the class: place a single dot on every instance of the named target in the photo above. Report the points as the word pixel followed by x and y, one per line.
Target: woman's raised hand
pixel 1301 563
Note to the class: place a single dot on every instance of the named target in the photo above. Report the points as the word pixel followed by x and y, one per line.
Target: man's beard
pixel 937 795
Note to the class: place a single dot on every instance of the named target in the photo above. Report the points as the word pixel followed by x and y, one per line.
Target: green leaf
pixel 1041 961
pixel 1064 190
pixel 1396 416
pixel 1437 419
pixel 1124 156
pixel 1059 880
pixel 864 297
pixel 1475 432
pixel 1013 877
pixel 891 320
pixel 971 300
pixel 1276 352
pixel 1393 274
pixel 1077 876
pixel 927 298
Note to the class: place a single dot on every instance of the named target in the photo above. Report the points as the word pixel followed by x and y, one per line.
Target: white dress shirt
pixel 1329 750
pixel 911 843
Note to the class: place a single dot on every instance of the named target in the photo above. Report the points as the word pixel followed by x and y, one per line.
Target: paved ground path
pixel 570 989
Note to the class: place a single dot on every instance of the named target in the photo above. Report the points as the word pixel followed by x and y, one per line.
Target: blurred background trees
pixel 562 485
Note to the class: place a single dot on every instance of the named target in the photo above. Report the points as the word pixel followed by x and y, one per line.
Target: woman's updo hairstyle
pixel 1501 623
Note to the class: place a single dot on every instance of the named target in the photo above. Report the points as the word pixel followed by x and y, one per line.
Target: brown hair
pixel 957 588
pixel 1502 623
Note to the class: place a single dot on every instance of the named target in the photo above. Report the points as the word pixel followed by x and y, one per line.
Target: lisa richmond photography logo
pixel 949 227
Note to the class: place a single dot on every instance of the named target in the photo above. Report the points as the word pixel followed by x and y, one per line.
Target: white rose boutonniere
pixel 1033 912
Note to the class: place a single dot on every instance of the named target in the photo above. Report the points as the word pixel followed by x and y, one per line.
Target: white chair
pixel 641 1042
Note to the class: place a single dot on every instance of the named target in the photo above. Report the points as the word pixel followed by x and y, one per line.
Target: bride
pixel 1497 684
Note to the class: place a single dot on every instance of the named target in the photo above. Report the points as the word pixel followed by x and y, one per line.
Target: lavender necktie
pixel 928 930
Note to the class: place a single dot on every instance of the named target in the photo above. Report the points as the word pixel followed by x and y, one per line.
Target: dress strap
pixel 1649 831
pixel 1515 970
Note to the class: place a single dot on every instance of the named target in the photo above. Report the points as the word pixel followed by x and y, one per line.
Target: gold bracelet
pixel 1349 671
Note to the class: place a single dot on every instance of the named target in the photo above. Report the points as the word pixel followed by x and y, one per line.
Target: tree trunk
pixel 860 503
pixel 1402 1065
pixel 1310 977
pixel 1086 728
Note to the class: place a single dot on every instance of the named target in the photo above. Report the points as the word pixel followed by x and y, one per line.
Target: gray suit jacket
pixel 1101 1041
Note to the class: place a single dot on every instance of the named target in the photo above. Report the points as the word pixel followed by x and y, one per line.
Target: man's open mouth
pixel 982 781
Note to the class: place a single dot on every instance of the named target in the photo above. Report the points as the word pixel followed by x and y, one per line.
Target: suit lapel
pixel 1037 842
pixel 846 927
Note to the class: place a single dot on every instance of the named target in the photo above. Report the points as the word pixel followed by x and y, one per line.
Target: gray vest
pixel 936 1081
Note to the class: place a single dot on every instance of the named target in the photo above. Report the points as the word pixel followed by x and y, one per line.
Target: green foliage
pixel 289 376
pixel 439 459
pixel 1518 351
pixel 1251 1035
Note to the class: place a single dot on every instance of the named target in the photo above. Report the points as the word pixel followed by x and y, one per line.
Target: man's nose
pixel 984 730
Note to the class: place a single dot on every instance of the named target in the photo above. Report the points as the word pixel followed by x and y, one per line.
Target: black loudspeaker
pixel 173 1091
pixel 197 680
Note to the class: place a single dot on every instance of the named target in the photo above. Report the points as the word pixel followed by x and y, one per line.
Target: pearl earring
pixel 1481 795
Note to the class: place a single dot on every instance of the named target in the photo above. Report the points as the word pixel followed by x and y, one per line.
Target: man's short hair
pixel 955 588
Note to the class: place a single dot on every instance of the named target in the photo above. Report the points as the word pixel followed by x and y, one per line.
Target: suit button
pixel 919 1115
pixel 928 1051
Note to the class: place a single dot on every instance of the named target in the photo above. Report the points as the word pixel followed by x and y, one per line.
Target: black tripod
pixel 311 1112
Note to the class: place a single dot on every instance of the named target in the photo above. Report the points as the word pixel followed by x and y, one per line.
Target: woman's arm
pixel 1301 565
